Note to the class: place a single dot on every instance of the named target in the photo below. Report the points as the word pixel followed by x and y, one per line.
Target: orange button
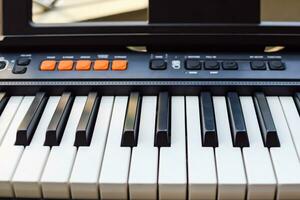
pixel 48 65
pixel 119 65
pixel 83 65
pixel 65 65
pixel 101 65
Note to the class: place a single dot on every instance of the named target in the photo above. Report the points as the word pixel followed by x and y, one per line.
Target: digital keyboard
pixel 149 126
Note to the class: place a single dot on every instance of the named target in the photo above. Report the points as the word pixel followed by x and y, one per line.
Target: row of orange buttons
pixel 83 65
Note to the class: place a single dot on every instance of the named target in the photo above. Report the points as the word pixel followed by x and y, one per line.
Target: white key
pixel 9 153
pixel 58 168
pixel 293 120
pixel 285 159
pixel 28 173
pixel 172 177
pixel 8 114
pixel 260 174
pixel 87 165
pixel 201 160
pixel 144 161
pixel 116 161
pixel 231 173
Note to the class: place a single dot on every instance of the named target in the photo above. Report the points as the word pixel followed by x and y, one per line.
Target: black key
pixel 163 134
pixel 30 122
pixel 297 101
pixel 131 126
pixel 59 120
pixel 3 101
pixel 267 126
pixel 209 131
pixel 87 121
pixel 237 122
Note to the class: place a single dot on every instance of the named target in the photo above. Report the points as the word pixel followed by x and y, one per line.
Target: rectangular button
pixel 48 65
pixel 163 134
pixel 119 65
pixel 101 65
pixel 59 120
pixel 65 65
pixel 269 132
pixel 209 132
pixel 83 65
pixel 130 131
pixel 29 124
pixel 87 121
pixel 237 122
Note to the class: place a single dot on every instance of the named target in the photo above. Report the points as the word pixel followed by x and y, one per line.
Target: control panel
pixel 149 66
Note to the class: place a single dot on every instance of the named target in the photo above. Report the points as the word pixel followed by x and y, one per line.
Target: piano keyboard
pixel 150 147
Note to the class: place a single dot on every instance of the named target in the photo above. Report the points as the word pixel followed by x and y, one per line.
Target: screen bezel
pixel 18 22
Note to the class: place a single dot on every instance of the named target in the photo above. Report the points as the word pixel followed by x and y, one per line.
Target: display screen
pixel 74 11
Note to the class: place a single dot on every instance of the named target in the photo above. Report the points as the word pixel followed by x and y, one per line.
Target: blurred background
pixel 67 11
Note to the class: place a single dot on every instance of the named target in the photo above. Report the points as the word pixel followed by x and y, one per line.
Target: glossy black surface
pixel 132 120
pixel 237 121
pixel 87 121
pixel 208 124
pixel 267 126
pixel 163 132
pixel 30 122
pixel 59 120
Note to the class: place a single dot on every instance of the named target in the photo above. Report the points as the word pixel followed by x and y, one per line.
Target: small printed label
pixel 213 72
pixel 85 57
pixel 103 56
pixel 25 55
pixel 50 57
pixel 68 57
pixel 211 57
pixel 120 57
pixel 256 57
pixel 193 57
